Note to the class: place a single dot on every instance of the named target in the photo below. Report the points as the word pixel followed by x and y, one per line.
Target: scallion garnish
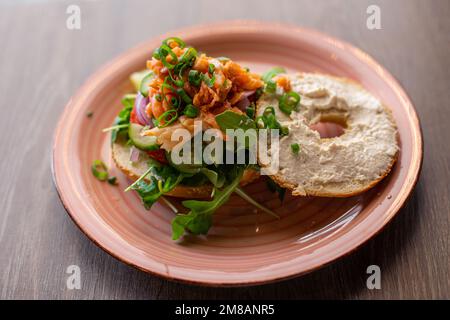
pixel 164 51
pixel 272 73
pixel 184 96
pixel 167 118
pixel 209 81
pixel 295 148
pixel 191 111
pixel 195 78
pixel 289 102
pixel 180 42
pixel 99 170
pixel 211 68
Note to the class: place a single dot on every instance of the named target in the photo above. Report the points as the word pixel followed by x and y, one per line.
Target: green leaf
pixel 199 219
pixel 232 120
pixel 162 179
pixel 123 117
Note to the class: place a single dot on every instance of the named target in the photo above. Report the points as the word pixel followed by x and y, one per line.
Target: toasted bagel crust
pixel 343 166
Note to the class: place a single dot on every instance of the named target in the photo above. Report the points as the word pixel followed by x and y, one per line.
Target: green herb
pixel 270 87
pixel 267 78
pixel 122 121
pixel 232 120
pixel 184 96
pixel 247 69
pixel 289 102
pixel 191 111
pixel 211 68
pixel 180 42
pixel 89 114
pixel 167 117
pixel 99 170
pixel 250 111
pixel 209 81
pixel 194 77
pixel 295 148
pixel 199 219
pixel 165 51
pixel 158 97
pixel 269 121
pixel 112 181
pixel 268 75
pixel 250 200
pixel 161 179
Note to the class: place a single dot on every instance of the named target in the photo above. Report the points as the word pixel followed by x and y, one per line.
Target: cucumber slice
pixel 142 142
pixel 185 168
pixel 145 82
pixel 136 78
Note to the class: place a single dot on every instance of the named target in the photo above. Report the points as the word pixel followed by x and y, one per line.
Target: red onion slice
pixel 140 104
pixel 134 154
pixel 243 103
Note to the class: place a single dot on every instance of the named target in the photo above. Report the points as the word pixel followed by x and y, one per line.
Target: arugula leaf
pixel 162 180
pixel 123 118
pixel 232 120
pixel 199 219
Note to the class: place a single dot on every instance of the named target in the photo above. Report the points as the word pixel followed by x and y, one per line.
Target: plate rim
pixel 239 26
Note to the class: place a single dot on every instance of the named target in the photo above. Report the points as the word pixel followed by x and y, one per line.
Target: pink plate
pixel 244 247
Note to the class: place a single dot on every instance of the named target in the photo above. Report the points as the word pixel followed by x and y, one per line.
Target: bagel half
pixel 333 167
pixel 121 156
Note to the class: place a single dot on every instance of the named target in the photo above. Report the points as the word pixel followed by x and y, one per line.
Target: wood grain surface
pixel 42 64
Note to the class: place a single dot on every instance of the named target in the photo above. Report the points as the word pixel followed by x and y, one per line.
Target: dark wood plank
pixel 42 64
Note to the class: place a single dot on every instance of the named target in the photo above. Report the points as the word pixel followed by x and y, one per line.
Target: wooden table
pixel 43 63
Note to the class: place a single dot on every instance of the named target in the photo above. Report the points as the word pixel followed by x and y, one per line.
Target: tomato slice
pixel 133 117
pixel 159 155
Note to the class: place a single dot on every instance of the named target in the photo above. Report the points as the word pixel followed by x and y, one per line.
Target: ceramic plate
pixel 244 247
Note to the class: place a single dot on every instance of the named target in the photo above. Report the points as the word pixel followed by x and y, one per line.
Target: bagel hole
pixel 328 129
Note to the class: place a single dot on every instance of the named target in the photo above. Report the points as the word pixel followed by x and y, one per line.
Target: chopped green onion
pixel 269 121
pixel 289 102
pixel 177 82
pixel 184 96
pixel 157 54
pixel 180 42
pixel 209 81
pixel 272 73
pixel 165 50
pixel 191 111
pixel 211 68
pixel 158 97
pixel 188 55
pixel 295 148
pixel 99 170
pixel 89 114
pixel 168 117
pixel 270 87
pixel 195 77
pixel 174 102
